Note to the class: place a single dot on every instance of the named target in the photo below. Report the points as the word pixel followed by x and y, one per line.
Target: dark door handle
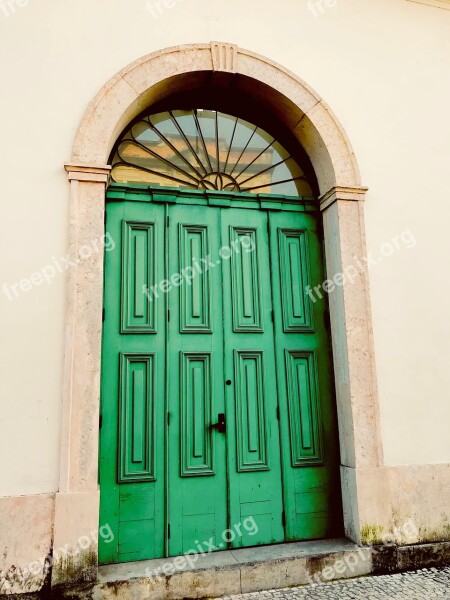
pixel 221 425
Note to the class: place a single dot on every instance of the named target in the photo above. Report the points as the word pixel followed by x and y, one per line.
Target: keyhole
pixel 228 381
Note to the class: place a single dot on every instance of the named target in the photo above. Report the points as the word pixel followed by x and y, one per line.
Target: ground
pixel 426 584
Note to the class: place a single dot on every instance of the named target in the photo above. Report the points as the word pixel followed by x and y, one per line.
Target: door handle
pixel 221 425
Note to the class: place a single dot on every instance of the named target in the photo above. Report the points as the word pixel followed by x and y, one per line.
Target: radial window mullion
pixel 255 159
pixel 199 130
pixel 174 149
pixel 164 160
pixel 206 149
pixel 230 144
pixel 243 150
pixel 188 143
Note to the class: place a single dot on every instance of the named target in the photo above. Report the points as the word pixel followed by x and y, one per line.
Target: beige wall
pixel 381 66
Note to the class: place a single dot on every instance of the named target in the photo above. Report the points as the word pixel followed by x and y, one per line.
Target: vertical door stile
pixel 167 389
pixel 222 242
pixel 278 367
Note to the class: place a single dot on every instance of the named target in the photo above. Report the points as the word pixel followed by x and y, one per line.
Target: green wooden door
pixel 254 460
pixel 132 461
pixel 216 387
pixel 307 409
pixel 197 478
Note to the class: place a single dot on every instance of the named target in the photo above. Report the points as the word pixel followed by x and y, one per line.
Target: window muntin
pixel 206 149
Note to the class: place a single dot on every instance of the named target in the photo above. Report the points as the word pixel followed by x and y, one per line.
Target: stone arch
pixel 153 77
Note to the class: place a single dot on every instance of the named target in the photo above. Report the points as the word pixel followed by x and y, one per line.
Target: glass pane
pixel 207 150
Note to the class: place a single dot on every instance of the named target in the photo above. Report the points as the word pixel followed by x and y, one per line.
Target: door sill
pixel 236 571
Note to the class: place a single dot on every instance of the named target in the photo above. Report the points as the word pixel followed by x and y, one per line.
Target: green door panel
pixel 196 463
pixel 132 460
pixel 251 398
pixel 208 320
pixel 304 374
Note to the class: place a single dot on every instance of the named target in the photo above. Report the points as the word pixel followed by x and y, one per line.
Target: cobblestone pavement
pixel 426 584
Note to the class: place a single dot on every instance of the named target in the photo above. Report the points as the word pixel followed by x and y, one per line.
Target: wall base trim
pixel 26 534
pixel 404 504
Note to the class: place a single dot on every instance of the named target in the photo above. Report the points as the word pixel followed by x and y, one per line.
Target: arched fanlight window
pixel 206 149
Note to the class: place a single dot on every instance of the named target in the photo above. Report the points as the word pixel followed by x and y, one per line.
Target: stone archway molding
pixel 149 78
pixel 136 87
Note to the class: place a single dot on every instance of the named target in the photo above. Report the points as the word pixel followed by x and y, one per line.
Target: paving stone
pixel 426 584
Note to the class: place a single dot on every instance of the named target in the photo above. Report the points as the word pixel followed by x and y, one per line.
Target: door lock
pixel 221 425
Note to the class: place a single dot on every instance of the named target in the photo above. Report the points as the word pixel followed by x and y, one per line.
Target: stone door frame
pixel 312 122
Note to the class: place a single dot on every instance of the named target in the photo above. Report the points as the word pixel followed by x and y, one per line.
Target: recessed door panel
pixel 294 272
pixel 305 424
pixel 245 280
pixel 138 270
pixel 195 300
pixel 136 418
pixel 250 407
pixel 195 406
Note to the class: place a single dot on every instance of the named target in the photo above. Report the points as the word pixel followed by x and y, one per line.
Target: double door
pixel 218 426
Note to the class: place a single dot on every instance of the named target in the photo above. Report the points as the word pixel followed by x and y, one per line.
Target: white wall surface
pixel 384 68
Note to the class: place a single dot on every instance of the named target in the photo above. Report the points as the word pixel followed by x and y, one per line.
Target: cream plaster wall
pixel 380 64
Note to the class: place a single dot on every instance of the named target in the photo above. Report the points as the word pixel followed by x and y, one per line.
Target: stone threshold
pixel 234 571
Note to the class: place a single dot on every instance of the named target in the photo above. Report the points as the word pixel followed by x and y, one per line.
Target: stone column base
pixel 75 544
